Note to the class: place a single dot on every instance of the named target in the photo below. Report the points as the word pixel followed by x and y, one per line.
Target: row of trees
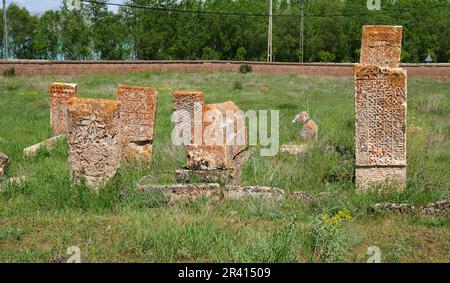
pixel 332 30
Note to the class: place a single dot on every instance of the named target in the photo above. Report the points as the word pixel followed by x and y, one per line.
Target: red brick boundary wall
pixel 55 68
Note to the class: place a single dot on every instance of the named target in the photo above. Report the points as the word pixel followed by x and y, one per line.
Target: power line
pixel 246 14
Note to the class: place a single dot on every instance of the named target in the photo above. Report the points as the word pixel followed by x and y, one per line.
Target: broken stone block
pixel 190 192
pixel 18 180
pixel 60 93
pixel 94 145
pixel 381 46
pixel 243 192
pixel 402 208
pixel 294 149
pixel 137 119
pixel 380 109
pixel 47 144
pixel 264 89
pixel 438 208
pixel 309 130
pixel 4 163
pixel 301 196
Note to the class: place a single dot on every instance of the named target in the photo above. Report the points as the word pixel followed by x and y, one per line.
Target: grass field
pixel 40 219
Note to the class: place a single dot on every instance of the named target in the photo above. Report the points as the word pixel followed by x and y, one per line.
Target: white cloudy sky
pixel 40 6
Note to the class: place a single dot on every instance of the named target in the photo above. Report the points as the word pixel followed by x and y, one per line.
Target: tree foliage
pixel 332 30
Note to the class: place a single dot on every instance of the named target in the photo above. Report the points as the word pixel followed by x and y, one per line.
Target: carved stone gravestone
pixel 380 108
pixel 137 118
pixel 59 95
pixel 94 145
pixel 215 159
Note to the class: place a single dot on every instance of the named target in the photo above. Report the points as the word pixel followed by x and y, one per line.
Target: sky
pixel 40 6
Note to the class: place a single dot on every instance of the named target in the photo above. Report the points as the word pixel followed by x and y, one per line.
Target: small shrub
pixel 237 85
pixel 330 237
pixel 326 56
pixel 240 54
pixel 245 68
pixel 11 72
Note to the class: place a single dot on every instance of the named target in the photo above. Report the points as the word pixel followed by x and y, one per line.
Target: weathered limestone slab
pixel 59 95
pixel 381 46
pixel 301 196
pixel 240 193
pixel 4 163
pixel 294 149
pixel 48 144
pixel 438 208
pixel 400 208
pixel 380 109
pixel 18 180
pixel 137 118
pixel 94 145
pixel 190 192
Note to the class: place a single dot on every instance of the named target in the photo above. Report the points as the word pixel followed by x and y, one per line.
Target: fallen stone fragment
pixel 301 196
pixel 438 208
pixel 4 163
pixel 239 193
pixel 204 176
pixel 402 208
pixel 264 89
pixel 48 144
pixel 14 180
pixel 294 148
pixel 190 192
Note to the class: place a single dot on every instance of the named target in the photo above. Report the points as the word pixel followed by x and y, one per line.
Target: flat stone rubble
pixel 380 108
pixel 209 162
pixel 137 118
pixel 59 95
pixel 190 192
pixel 94 145
pixel 241 193
pixel 47 144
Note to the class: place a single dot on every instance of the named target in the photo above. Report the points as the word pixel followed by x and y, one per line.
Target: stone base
pixel 365 177
pixel 232 176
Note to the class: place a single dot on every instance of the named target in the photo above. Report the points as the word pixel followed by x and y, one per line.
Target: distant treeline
pixel 224 30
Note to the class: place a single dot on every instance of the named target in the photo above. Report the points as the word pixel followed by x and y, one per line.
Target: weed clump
pixel 245 68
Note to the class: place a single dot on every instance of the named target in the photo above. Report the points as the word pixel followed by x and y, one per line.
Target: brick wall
pixel 53 68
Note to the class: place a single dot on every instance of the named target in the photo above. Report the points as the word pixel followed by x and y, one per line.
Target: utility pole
pixel 302 29
pixel 5 33
pixel 269 36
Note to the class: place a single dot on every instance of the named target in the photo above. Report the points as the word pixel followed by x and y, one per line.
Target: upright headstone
pixel 380 108
pixel 137 118
pixel 94 145
pixel 60 93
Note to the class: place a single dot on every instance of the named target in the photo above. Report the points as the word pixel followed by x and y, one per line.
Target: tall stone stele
pixel 94 140
pixel 60 93
pixel 380 109
pixel 137 119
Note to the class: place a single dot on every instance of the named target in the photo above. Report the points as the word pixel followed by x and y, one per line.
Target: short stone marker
pixel 137 118
pixel 94 145
pixel 59 95
pixel 380 108
pixel 4 163
pixel 47 144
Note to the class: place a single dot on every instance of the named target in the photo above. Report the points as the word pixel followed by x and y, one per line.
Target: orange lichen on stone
pixel 380 109
pixel 381 46
pixel 94 145
pixel 137 119
pixel 59 94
